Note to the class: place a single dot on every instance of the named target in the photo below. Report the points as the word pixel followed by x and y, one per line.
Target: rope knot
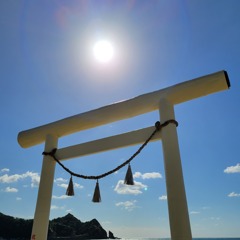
pixel 158 125
pixel 52 153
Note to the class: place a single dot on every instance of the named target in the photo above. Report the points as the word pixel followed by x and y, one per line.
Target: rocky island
pixel 67 227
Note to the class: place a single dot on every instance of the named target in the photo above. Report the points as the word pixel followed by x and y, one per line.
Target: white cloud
pixel 233 169
pixel 60 180
pixel 55 207
pixel 135 189
pixel 233 194
pixel 60 197
pixel 9 189
pixel 64 185
pixel 35 178
pixel 137 175
pixel 128 205
pixel 147 175
pixel 9 179
pixel 5 170
pixel 76 185
pixel 163 197
pixel 194 212
pixel 18 198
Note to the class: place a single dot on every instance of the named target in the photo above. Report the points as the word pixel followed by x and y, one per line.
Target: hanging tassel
pixel 70 190
pixel 96 195
pixel 129 177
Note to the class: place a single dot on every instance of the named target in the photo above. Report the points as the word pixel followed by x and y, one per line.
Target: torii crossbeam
pixel 162 100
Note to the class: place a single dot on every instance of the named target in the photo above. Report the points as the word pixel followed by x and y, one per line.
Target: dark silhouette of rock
pixel 67 227
pixel 15 228
pixel 110 235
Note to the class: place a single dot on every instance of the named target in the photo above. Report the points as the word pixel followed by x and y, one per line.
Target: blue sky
pixel 48 72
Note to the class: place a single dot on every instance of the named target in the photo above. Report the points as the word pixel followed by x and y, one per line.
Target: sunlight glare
pixel 103 51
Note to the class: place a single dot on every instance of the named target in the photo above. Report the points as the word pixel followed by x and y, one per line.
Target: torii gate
pixel 162 100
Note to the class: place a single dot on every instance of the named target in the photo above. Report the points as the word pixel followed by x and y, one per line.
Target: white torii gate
pixel 162 100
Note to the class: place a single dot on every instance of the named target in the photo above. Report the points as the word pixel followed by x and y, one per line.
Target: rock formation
pixel 67 227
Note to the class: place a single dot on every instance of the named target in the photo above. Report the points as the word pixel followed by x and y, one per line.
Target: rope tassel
pixel 96 195
pixel 70 190
pixel 129 176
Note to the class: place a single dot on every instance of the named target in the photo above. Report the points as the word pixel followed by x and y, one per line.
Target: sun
pixel 103 51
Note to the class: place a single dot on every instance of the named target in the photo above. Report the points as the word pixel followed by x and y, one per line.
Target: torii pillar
pixel 162 100
pixel 176 196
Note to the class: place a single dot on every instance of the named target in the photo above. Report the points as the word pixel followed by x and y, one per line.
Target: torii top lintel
pixel 148 102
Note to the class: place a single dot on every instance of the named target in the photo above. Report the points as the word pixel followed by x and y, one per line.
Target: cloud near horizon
pixel 127 205
pixel 35 178
pixel 163 197
pixel 9 189
pixel 233 194
pixel 61 197
pixel 65 185
pixel 194 212
pixel 60 180
pixel 135 189
pixel 55 207
pixel 233 169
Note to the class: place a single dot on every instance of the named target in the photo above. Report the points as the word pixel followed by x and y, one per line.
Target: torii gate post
pixel 177 202
pixel 162 100
pixel 42 211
